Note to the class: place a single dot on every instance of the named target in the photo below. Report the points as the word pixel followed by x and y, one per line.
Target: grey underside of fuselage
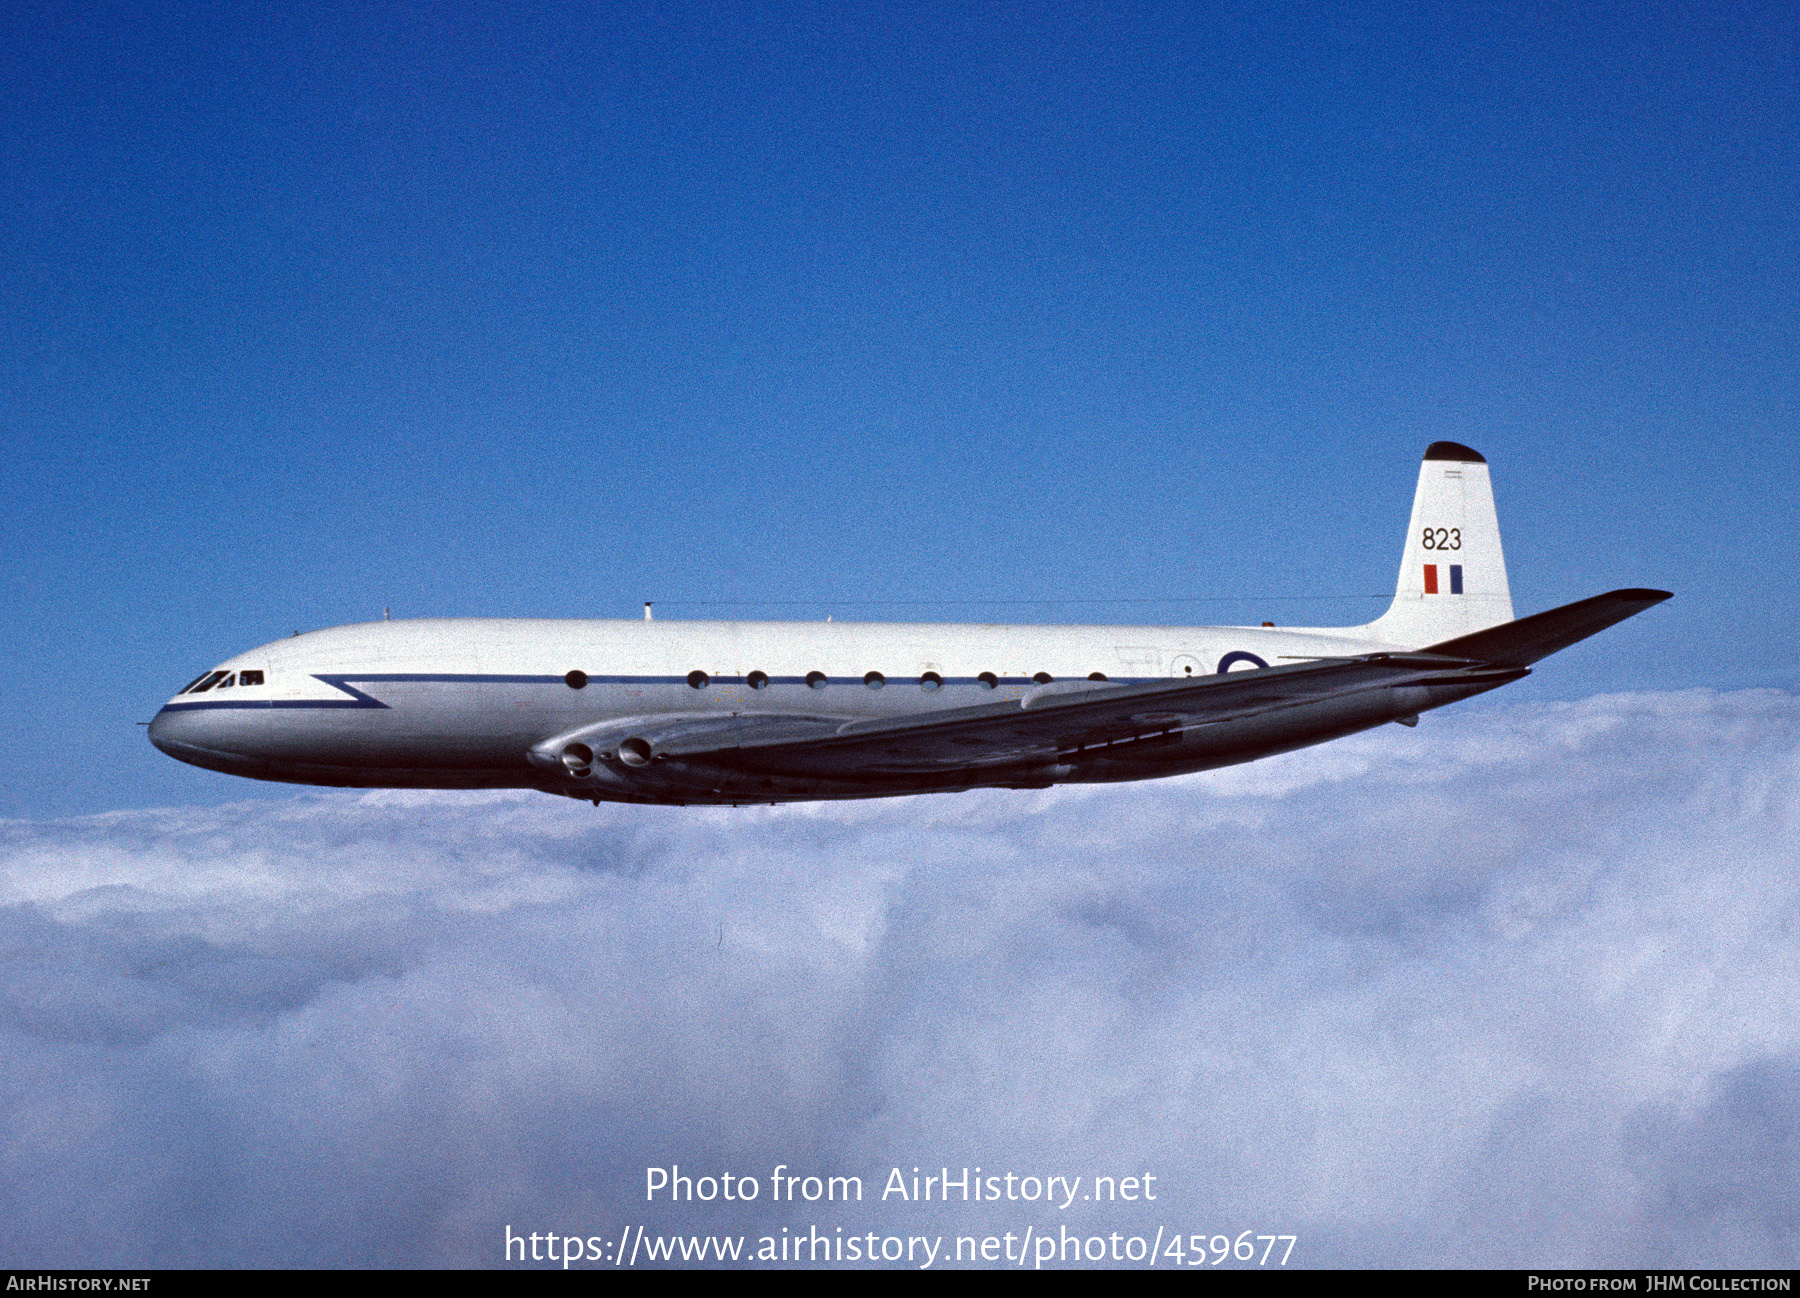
pixel 476 735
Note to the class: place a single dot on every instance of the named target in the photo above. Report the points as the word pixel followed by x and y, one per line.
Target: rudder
pixel 1452 572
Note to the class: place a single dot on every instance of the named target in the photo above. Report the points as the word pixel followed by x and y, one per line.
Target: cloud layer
pixel 1515 988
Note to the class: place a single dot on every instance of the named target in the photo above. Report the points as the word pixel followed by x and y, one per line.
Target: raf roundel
pixel 1237 656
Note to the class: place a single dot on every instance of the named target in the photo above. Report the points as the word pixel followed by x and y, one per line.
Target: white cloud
pixel 1512 988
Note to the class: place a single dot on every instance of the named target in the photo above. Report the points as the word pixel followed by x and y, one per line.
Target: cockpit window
pixel 250 678
pixel 226 683
pixel 207 682
pixel 190 685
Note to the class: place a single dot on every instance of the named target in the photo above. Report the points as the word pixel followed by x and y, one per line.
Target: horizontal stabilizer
pixel 1517 644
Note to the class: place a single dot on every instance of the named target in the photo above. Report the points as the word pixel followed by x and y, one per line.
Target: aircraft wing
pixel 1084 719
pixel 1053 724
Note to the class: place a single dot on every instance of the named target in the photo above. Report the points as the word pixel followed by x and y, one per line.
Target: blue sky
pixel 1078 313
pixel 312 312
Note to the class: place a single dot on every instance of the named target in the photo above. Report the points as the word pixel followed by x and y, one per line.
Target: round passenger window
pixel 988 680
pixel 815 680
pixel 697 680
pixel 757 680
pixel 874 680
pixel 576 680
pixel 931 681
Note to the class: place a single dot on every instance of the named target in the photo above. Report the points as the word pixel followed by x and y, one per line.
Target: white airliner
pixel 750 712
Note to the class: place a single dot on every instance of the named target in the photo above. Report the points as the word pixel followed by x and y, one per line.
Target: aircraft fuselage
pixel 463 703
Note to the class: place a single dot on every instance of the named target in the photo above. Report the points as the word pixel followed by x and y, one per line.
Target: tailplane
pixel 1521 643
pixel 1452 573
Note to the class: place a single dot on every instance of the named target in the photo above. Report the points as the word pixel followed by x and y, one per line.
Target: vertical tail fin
pixel 1452 573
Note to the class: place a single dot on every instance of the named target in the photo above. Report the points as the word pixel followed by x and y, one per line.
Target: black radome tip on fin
pixel 1453 451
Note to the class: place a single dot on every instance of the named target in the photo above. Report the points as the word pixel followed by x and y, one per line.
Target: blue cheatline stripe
pixel 1456 579
pixel 216 706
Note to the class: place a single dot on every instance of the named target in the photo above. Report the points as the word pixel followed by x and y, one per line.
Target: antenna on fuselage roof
pixel 647 616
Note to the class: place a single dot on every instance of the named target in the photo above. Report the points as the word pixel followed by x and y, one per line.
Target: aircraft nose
pixel 159 732
pixel 210 738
